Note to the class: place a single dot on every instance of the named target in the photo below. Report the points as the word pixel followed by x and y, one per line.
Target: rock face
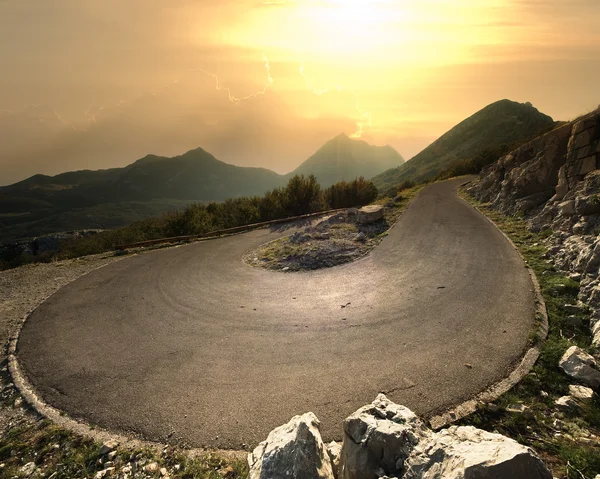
pixel 294 450
pixel 581 367
pixel 554 182
pixel 470 453
pixel 378 438
pixel 369 214
pixel 386 440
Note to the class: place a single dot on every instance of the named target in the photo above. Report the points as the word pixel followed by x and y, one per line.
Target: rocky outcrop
pixel 470 453
pixel 386 440
pixel 294 450
pixel 554 182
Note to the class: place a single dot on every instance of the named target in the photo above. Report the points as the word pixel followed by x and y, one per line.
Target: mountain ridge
pixel 504 123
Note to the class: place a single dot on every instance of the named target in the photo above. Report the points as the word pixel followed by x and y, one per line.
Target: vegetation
pixel 302 195
pixel 334 241
pixel 501 123
pixel 51 451
pixel 347 195
pixel 154 185
pixel 567 440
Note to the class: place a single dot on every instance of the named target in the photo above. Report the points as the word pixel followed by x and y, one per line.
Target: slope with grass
pixel 501 124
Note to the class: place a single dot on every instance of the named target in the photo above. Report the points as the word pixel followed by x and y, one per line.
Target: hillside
pixel 343 158
pixel 503 123
pixel 116 197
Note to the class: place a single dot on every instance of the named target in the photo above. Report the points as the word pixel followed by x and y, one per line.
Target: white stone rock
pixel 28 469
pixel 107 447
pixel 378 438
pixel 294 450
pixel 566 402
pixel 581 367
pixel 470 453
pixel 370 214
pixel 581 392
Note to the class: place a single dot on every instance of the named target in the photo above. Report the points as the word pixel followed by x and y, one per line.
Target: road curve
pixel 189 344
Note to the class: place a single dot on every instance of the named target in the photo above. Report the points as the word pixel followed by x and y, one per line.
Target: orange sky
pixel 100 83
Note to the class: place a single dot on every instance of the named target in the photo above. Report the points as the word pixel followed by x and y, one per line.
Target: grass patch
pixel 54 452
pixel 567 440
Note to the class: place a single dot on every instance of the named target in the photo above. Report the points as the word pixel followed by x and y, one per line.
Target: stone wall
pixel 554 182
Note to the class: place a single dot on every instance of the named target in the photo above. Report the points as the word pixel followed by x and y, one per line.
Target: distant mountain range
pixel 152 185
pixel 502 123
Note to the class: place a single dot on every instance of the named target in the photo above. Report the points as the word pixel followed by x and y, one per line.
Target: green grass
pixel 61 455
pixel 561 438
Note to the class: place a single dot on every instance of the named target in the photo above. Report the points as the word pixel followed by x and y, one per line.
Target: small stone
pixel 516 408
pixel 469 366
pixel 152 467
pixel 111 455
pixel 109 464
pixel 18 402
pixel 581 367
pixel 107 447
pixel 287 268
pixel 28 469
pixel 163 471
pixel 566 402
pixel 361 237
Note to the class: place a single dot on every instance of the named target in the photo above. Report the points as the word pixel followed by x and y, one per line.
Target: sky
pixel 100 83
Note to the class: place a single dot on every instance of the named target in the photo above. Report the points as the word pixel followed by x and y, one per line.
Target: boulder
pixel 470 453
pixel 378 438
pixel 580 392
pixel 581 366
pixel 293 451
pixel 369 214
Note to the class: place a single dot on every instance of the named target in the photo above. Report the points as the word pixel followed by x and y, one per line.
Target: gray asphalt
pixel 191 345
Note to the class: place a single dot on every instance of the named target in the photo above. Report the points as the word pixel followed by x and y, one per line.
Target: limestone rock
pixel 107 447
pixel 581 392
pixel 370 214
pixel 378 438
pixel 470 453
pixel 566 402
pixel 581 367
pixel 294 450
pixel 334 449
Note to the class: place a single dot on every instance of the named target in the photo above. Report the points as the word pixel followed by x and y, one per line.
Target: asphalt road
pixel 192 343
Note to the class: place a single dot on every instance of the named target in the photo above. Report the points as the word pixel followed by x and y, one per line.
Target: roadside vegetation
pixel 333 241
pixel 301 195
pixel 568 439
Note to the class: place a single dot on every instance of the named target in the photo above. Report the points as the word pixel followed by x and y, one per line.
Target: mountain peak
pixel 343 159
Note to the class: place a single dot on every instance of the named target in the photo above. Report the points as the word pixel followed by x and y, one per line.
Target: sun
pixel 352 27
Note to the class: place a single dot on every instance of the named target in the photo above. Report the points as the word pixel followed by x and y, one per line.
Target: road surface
pixel 191 345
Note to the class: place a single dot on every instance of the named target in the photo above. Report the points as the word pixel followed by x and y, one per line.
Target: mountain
pixel 154 184
pixel 343 158
pixel 109 198
pixel 501 124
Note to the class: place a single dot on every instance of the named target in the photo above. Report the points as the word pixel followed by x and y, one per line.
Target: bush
pixel 358 192
pixel 302 195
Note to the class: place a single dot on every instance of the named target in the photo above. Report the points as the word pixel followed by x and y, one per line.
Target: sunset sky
pixel 96 84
